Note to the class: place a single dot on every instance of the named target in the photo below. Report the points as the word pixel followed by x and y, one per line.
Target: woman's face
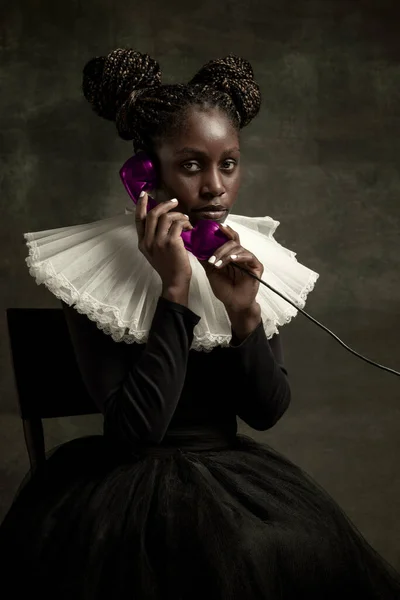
pixel 200 166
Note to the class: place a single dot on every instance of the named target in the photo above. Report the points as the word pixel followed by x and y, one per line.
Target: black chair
pixel 46 374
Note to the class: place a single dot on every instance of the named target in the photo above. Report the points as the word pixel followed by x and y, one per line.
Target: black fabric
pixel 171 502
pixel 144 389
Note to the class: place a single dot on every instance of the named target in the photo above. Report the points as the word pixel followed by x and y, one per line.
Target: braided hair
pixel 125 87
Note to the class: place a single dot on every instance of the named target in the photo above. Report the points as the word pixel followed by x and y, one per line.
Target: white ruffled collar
pixel 99 268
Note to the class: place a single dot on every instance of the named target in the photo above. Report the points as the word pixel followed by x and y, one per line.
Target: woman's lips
pixel 209 214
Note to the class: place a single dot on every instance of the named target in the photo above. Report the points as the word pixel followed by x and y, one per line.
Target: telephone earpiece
pixel 138 174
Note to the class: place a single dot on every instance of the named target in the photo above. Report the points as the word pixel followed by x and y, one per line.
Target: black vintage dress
pixel 170 502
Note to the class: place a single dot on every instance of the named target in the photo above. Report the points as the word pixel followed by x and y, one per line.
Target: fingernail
pixel 212 260
pixel 187 216
pixel 233 256
pixel 141 194
pixel 219 263
pixel 223 225
pixel 174 200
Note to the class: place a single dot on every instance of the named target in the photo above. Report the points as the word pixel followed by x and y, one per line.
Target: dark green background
pixel 323 158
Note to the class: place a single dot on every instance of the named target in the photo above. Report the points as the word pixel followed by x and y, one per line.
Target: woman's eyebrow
pixel 188 150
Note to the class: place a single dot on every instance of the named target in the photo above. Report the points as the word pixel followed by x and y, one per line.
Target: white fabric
pixel 99 268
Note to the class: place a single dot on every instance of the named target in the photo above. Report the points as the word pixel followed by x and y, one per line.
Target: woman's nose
pixel 212 184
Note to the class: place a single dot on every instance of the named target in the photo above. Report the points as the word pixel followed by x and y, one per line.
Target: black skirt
pixel 197 517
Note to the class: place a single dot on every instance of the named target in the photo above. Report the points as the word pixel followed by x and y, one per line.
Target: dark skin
pixel 200 165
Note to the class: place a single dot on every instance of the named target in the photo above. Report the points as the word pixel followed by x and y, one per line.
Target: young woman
pixel 171 502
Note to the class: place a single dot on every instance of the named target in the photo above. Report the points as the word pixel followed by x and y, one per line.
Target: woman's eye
pixel 194 167
pixel 189 167
pixel 229 165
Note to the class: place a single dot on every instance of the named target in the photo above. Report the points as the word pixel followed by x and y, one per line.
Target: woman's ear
pixel 159 195
pixel 153 193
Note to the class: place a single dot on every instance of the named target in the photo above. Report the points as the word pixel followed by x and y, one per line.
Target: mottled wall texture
pixel 323 158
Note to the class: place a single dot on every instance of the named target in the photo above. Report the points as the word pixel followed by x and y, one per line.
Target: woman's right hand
pixel 159 232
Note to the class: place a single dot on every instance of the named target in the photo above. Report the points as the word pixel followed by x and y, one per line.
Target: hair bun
pixel 234 76
pixel 108 81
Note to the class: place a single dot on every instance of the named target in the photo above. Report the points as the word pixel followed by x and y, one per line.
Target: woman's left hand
pixel 235 289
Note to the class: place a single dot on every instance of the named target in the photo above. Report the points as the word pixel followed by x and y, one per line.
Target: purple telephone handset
pixel 138 174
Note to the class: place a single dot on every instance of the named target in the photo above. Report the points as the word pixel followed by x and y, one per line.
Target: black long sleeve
pixel 259 379
pixel 137 392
